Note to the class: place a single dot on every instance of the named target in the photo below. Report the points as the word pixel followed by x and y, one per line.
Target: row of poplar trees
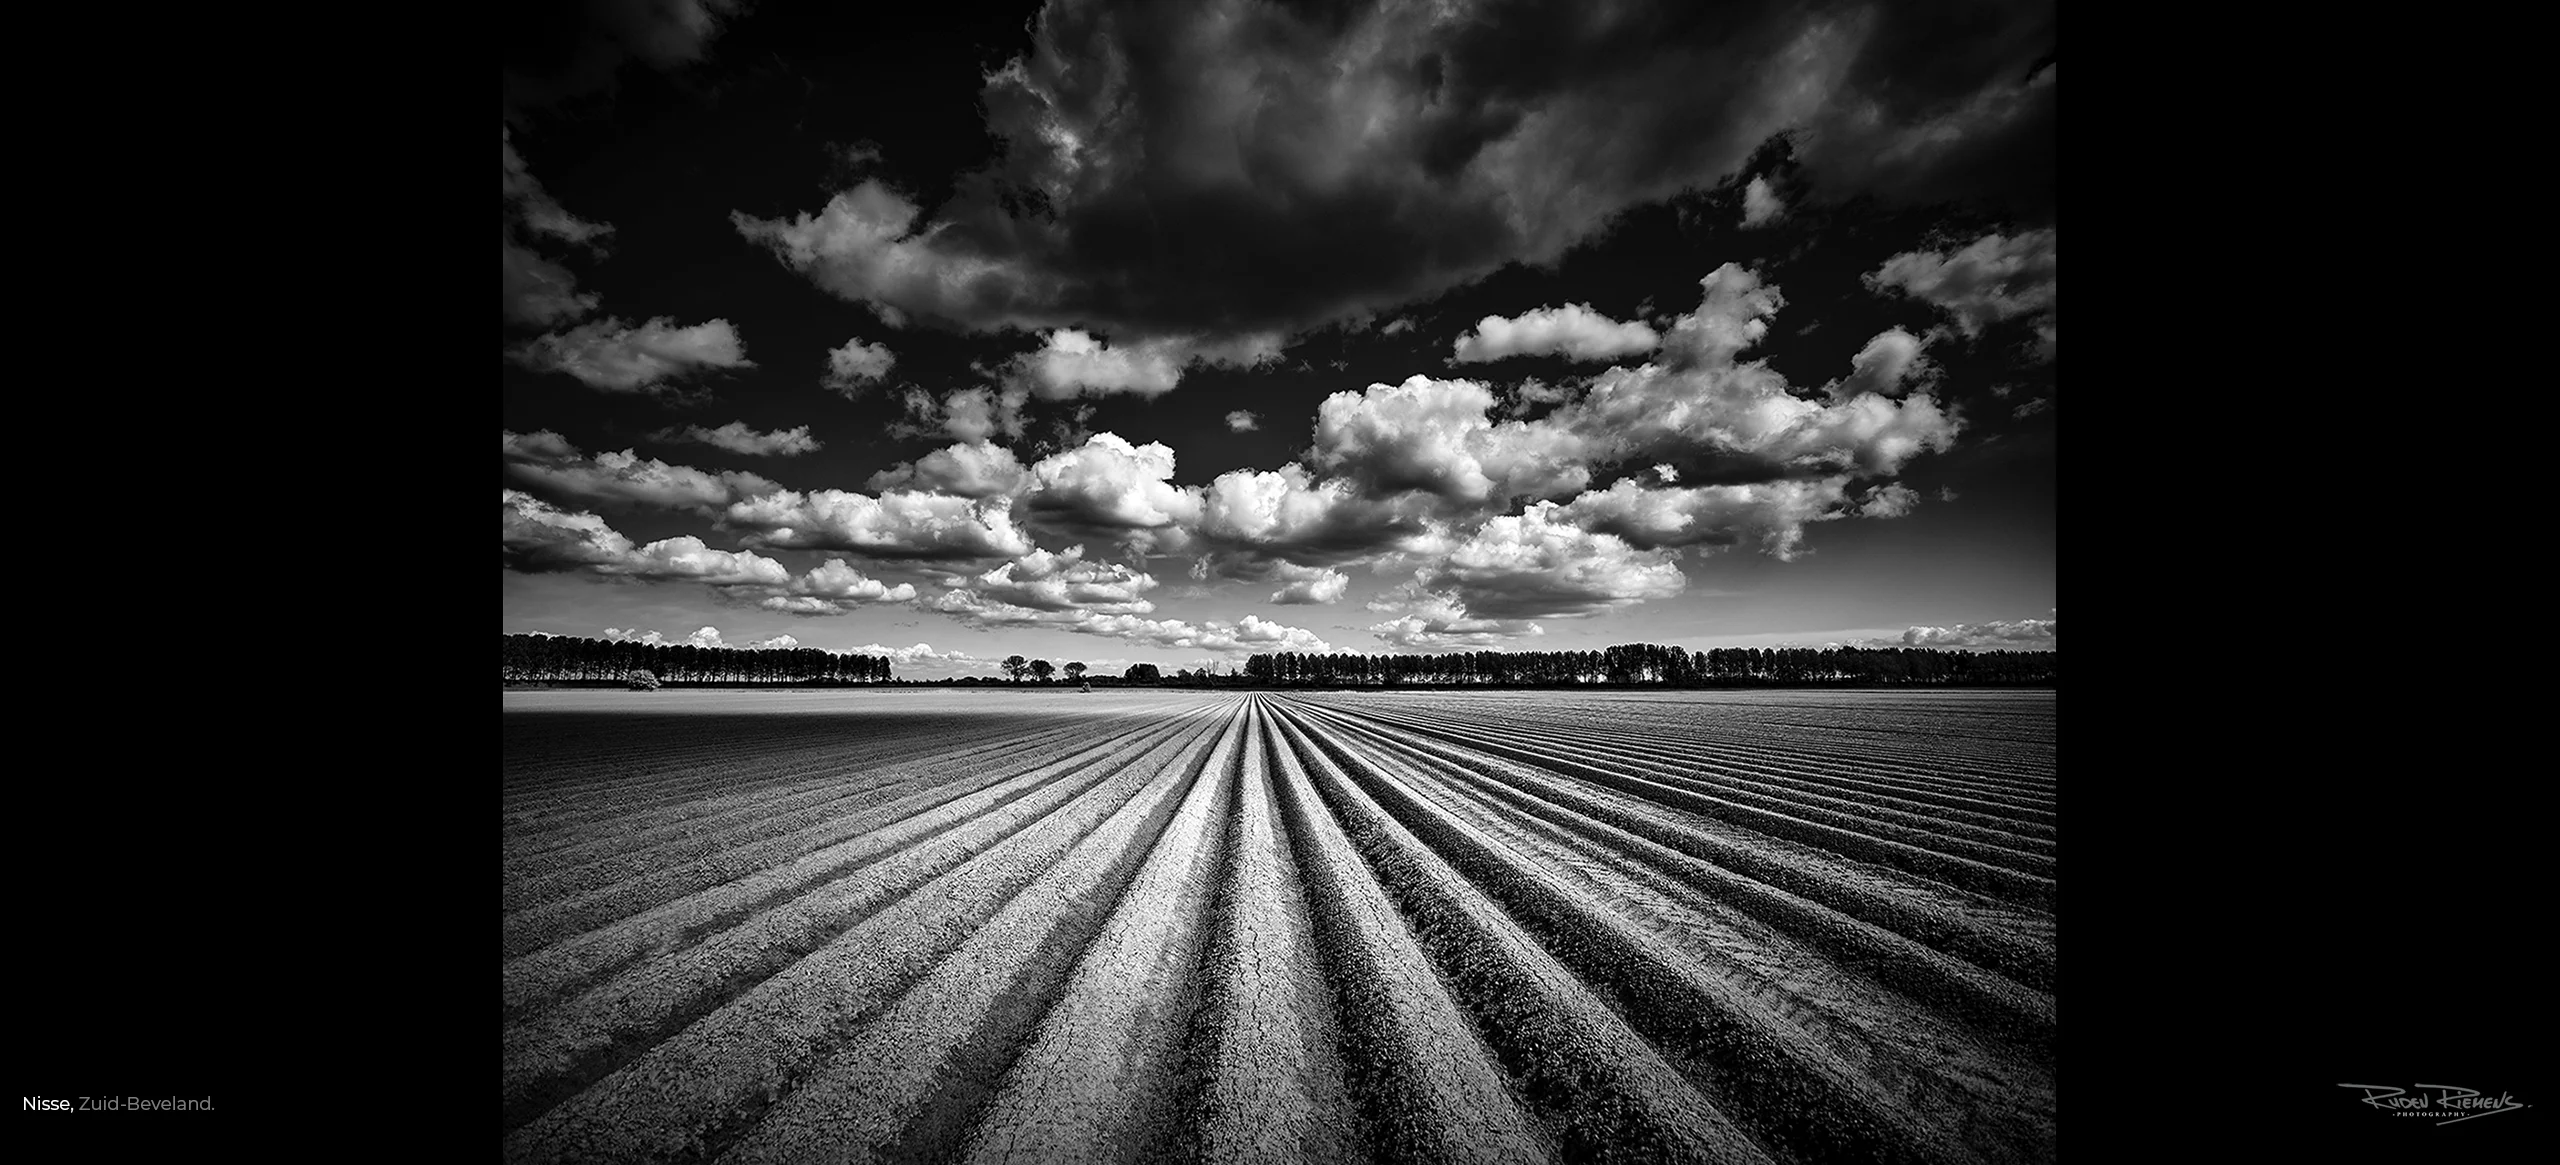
pixel 564 658
pixel 1653 663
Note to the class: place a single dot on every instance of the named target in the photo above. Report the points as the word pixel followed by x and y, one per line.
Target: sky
pixel 1176 333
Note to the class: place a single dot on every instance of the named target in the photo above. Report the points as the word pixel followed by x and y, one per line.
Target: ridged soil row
pixel 695 1041
pixel 551 879
pixel 2006 842
pixel 1429 1088
pixel 2011 783
pixel 1800 864
pixel 540 753
pixel 704 820
pixel 561 750
pixel 1846 920
pixel 1775 1080
pixel 746 815
pixel 799 904
pixel 1968 873
pixel 1779 774
pixel 1918 749
pixel 1844 777
pixel 1887 704
pixel 1959 780
pixel 737 777
pixel 1603 1092
pixel 850 834
pixel 1963 721
pixel 1066 967
pixel 1928 1060
pixel 1269 1084
pixel 747 776
pixel 1977 710
pixel 743 782
pixel 719 752
pixel 1995 808
pixel 1867 826
pixel 1095 1084
pixel 616 772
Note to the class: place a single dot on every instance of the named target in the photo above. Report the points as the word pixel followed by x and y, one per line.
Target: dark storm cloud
pixel 556 50
pixel 535 289
pixel 1365 156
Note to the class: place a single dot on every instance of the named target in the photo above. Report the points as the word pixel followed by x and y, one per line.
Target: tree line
pixel 1040 670
pixel 570 659
pixel 564 658
pixel 1656 664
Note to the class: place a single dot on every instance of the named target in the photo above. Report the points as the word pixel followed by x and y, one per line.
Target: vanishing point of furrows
pixel 1055 926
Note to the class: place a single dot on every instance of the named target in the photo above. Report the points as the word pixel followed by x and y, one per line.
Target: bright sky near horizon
pixel 1118 332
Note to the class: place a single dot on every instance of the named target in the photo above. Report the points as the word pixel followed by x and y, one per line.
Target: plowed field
pixel 1778 926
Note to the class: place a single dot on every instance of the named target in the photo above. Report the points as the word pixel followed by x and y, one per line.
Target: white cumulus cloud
pixel 1996 277
pixel 1768 515
pixel 1574 330
pixel 545 463
pixel 536 537
pixel 1109 487
pixel 1306 584
pixel 736 437
pixel 856 366
pixel 613 356
pixel 2011 634
pixel 1436 435
pixel 1065 581
pixel 969 469
pixel 896 524
pixel 1538 564
pixel 1760 203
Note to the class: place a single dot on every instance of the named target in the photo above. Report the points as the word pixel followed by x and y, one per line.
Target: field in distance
pixel 1139 925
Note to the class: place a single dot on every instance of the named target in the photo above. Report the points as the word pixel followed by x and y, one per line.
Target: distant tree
pixel 1143 673
pixel 1015 665
pixel 1042 669
pixel 1075 671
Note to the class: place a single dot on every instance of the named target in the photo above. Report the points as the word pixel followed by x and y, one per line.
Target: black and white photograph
pixel 1269 581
